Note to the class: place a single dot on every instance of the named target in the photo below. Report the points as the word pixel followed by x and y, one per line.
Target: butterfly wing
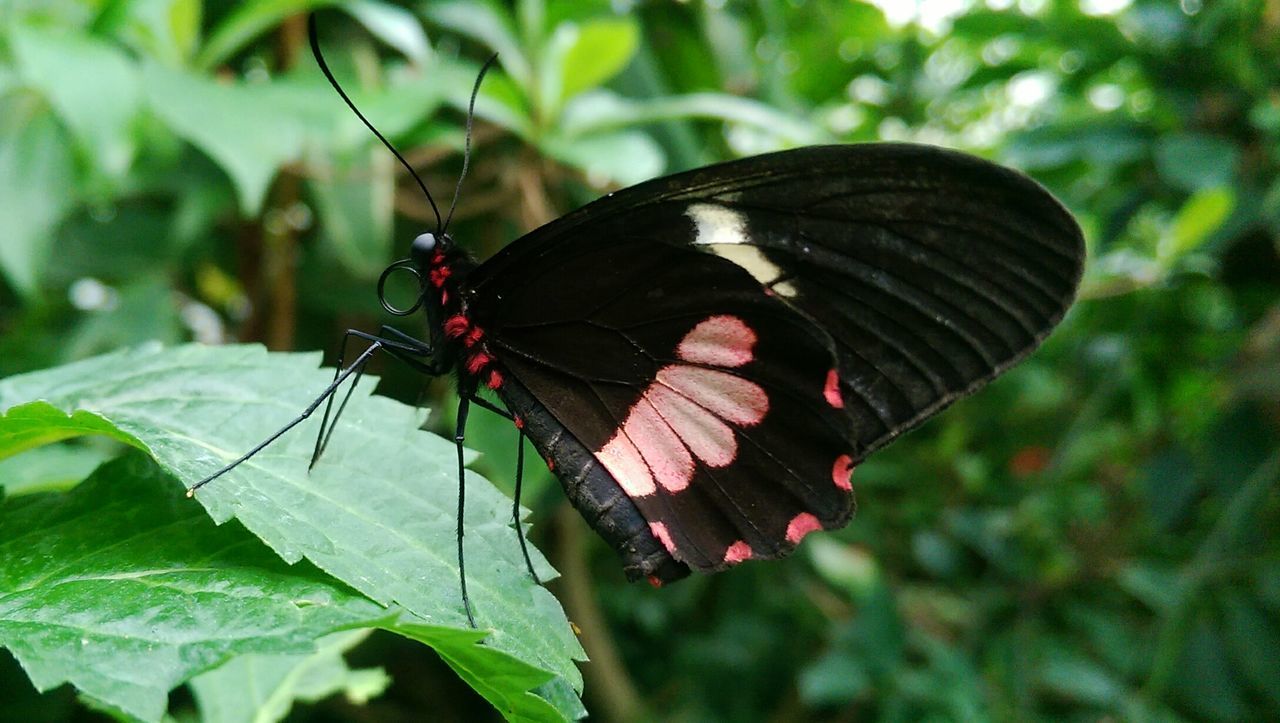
pixel 732 340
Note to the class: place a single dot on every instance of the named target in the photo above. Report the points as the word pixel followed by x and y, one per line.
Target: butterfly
pixel 703 359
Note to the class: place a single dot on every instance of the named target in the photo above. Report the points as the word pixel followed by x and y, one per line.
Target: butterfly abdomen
pixel 592 490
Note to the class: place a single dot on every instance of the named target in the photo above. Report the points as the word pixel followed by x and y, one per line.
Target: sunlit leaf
pixel 98 107
pixel 263 686
pixel 378 512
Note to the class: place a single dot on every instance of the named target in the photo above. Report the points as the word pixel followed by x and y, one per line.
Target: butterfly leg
pixel 403 347
pixel 338 379
pixel 459 436
pixel 515 506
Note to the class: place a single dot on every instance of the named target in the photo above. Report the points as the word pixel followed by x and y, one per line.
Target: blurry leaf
pixel 52 468
pixel 165 30
pixel 395 26
pixel 835 679
pixel 131 604
pixel 1195 161
pixel 1171 486
pixel 581 57
pixel 391 536
pixel 99 107
pixel 1196 221
pixel 846 567
pixel 488 23
pixel 1253 639
pixel 262 687
pixel 1159 589
pixel 602 110
pixel 1107 143
pixel 143 310
pixel 355 203
pixel 1205 681
pixel 247 21
pixel 36 188
pixel 249 130
pixel 623 157
pixel 1080 679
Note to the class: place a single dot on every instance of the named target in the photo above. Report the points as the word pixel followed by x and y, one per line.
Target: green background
pixel 1093 535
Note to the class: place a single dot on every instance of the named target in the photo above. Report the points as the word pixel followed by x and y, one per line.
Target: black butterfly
pixel 703 359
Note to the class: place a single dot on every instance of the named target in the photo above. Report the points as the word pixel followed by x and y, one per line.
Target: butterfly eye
pixel 422 246
pixel 419 292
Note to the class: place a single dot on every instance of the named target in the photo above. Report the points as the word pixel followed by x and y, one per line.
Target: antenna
pixel 466 153
pixel 324 68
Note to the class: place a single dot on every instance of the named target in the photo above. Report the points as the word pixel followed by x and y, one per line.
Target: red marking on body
pixel 437 258
pixel 551 464
pixel 801 525
pixel 659 531
pixel 840 472
pixel 444 297
pixel 438 275
pixel 737 552
pixel 495 379
pixel 519 421
pixel 831 391
pixel 655 581
pixel 456 325
pixel 473 336
pixel 478 361
pixel 720 341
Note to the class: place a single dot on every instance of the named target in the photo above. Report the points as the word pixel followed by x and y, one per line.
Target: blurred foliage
pixel 1091 536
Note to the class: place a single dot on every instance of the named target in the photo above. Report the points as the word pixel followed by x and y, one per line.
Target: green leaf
pixel 489 24
pixel 1253 640
pixel 36 189
pixel 1196 221
pixel 248 130
pixel 1077 677
pixel 582 56
pixel 124 589
pixel 165 30
pixel 51 468
pixel 392 25
pixel 1194 161
pixel 377 512
pixel 100 106
pixel 621 157
pixel 262 687
pixel 247 21
pixel 355 202
pixel 601 110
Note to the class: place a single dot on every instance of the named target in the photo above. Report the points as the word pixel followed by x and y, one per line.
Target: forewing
pixel 931 271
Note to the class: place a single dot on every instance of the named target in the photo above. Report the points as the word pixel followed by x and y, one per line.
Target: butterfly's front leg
pixel 399 345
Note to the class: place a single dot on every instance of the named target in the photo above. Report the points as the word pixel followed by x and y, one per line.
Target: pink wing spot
pixel 659 531
pixel 840 472
pixel 624 462
pixel 729 397
pixel 801 525
pixel 737 552
pixel 832 390
pixel 710 439
pixel 666 456
pixel 719 341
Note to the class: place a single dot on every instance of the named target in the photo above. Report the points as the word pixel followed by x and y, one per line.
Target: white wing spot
pixel 724 233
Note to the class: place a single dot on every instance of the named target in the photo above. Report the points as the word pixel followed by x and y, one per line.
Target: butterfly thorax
pixel 459 339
